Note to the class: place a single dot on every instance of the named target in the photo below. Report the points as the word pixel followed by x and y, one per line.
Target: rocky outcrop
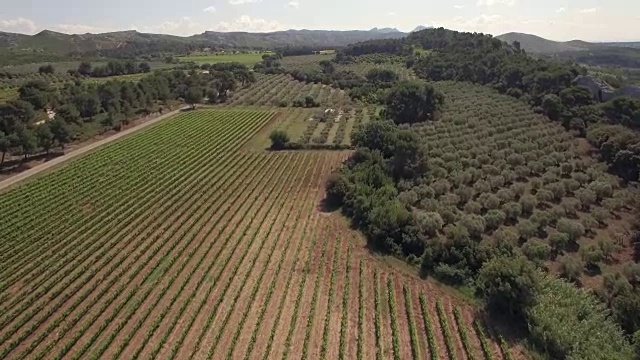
pixel 604 92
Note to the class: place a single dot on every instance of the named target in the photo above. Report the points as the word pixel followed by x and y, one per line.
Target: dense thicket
pixel 113 104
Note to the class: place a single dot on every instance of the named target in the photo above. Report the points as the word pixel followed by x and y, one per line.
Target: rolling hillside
pixel 538 45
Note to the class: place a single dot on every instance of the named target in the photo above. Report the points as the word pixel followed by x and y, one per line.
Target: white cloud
pixel 588 11
pixel 246 23
pixel 561 10
pixel 496 2
pixel 210 9
pixel 391 13
pixel 242 2
pixel 19 25
pixel 458 6
pixel 81 29
pixel 293 4
pixel 182 26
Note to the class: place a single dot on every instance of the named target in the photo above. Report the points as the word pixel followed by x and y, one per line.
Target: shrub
pixel 612 204
pixel 425 192
pixel 516 160
pixel 475 225
pixel 571 267
pixel 505 195
pixel 601 189
pixel 589 223
pixel 512 211
pixel 570 186
pixel 408 197
pixel 558 241
pixel 592 255
pixel 450 199
pixel 526 229
pixel 580 177
pixel 536 250
pixel 573 229
pixel 528 203
pixel 473 207
pixel 465 194
pixel 429 222
pixel 337 188
pixel 587 198
pixel 601 215
pixel 481 187
pixel 540 218
pixel 570 206
pixel 557 190
pixel 518 189
pixel 283 103
pixel 544 196
pixel 489 201
pixel 279 139
pixel 494 219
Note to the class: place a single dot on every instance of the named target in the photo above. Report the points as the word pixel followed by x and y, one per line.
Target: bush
pixel 601 189
pixel 574 230
pixel 429 222
pixel 512 211
pixel 571 268
pixel 544 196
pixel 558 241
pixel 592 255
pixel 475 225
pixel 279 139
pixel 540 218
pixel 528 203
pixel 505 195
pixel 494 219
pixel 337 189
pixel 473 207
pixel 283 103
pixel 489 201
pixel 587 198
pixel 570 206
pixel 536 250
pixel 526 229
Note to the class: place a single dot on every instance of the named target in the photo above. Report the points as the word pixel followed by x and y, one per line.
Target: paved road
pixel 76 153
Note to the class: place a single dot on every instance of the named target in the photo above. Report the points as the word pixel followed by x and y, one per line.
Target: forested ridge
pixel 490 208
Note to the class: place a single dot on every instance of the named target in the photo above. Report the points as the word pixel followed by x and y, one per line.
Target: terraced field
pixel 175 243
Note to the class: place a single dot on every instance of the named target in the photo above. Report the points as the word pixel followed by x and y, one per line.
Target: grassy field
pixel 247 59
pixel 210 252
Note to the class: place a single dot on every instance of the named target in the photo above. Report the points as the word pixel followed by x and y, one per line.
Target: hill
pixel 90 44
pixel 538 45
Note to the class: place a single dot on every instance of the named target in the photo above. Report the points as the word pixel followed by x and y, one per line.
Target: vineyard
pixel 194 248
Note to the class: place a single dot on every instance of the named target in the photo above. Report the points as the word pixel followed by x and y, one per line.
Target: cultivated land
pixel 194 248
pixel 249 59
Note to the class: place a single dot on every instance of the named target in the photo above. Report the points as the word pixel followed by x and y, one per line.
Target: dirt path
pixel 8 183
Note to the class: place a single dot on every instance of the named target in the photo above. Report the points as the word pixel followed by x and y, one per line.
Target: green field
pixel 247 59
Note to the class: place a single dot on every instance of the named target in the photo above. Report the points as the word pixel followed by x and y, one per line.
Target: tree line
pixel 112 104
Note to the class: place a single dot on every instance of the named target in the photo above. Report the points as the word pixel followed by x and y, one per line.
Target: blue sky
pixel 591 20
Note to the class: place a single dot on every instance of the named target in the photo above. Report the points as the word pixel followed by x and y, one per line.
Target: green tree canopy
pixel 412 102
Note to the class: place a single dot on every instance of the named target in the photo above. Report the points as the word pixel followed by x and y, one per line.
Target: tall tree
pixel 412 102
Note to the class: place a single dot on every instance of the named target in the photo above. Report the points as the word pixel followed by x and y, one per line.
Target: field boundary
pixel 61 160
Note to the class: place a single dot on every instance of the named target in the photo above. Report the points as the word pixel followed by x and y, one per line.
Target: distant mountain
pixel 131 41
pixel 385 30
pixel 421 27
pixel 538 45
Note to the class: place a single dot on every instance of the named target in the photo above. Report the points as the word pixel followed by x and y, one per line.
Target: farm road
pixel 8 183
